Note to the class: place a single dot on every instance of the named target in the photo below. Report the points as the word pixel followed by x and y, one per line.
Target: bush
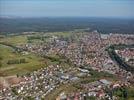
pixel 1 58
pixel 0 64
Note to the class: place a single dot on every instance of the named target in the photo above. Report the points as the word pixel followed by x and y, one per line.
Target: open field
pixel 7 53
pixel 14 40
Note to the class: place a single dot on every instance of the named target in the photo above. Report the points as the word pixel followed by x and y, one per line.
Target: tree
pixel 125 94
pixel 1 58
pixel 0 64
pixel 23 60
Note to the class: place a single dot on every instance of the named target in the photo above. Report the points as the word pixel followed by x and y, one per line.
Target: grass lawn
pixel 7 53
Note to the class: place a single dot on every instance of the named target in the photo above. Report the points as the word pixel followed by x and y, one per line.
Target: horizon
pixel 64 8
pixel 67 17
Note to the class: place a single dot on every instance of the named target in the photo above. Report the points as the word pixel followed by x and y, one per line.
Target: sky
pixel 67 8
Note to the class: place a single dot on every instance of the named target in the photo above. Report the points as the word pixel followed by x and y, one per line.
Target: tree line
pixel 122 64
pixel 16 61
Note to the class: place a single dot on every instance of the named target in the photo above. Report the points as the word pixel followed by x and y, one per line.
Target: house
pixel 105 82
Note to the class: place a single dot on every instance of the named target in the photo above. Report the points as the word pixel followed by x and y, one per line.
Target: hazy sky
pixel 45 8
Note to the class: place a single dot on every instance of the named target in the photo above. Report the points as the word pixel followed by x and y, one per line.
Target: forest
pixel 60 24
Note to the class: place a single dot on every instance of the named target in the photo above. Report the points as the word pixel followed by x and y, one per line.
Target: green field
pixel 33 62
pixel 15 40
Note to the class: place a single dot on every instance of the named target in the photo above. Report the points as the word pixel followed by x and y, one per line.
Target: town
pixel 82 68
pixel 66 49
